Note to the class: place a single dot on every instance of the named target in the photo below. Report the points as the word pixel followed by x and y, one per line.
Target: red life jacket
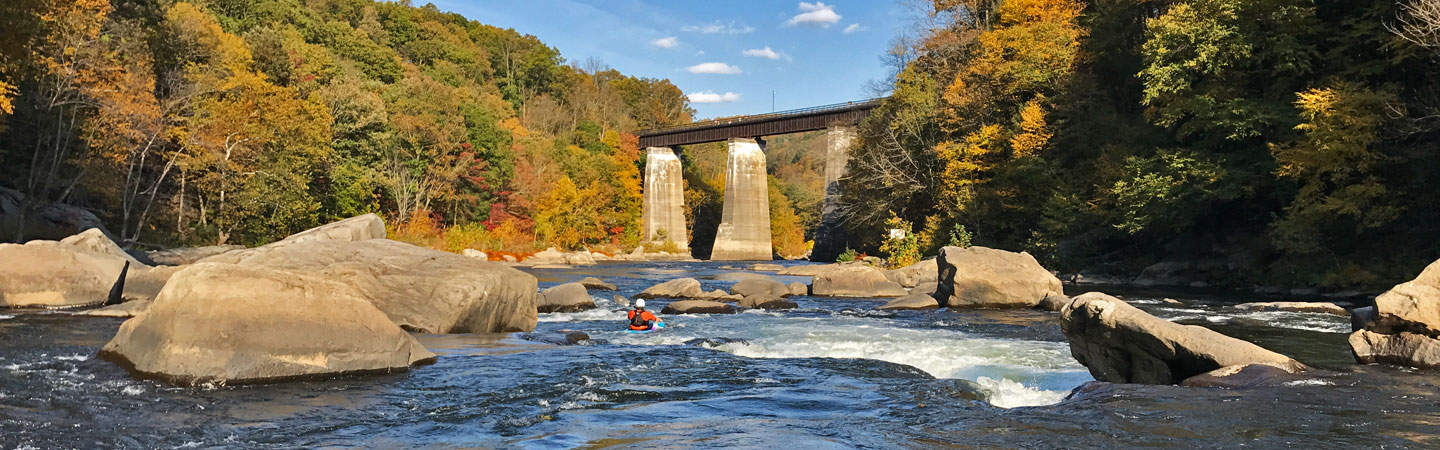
pixel 642 321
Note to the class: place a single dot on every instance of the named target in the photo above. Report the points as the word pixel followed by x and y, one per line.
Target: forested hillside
pixel 239 121
pixel 1267 141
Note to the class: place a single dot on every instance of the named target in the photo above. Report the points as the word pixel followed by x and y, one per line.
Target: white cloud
pixel 711 97
pixel 714 67
pixel 855 28
pixel 665 42
pixel 719 28
pixel 766 53
pixel 815 14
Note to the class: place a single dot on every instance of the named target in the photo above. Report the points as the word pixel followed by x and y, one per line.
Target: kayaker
pixel 640 319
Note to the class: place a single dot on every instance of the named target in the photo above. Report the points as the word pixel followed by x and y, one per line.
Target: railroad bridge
pixel 744 232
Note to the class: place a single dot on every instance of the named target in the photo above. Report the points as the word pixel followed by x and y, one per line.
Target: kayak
pixel 658 326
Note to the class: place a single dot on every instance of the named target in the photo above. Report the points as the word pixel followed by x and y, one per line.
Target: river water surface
pixel 833 373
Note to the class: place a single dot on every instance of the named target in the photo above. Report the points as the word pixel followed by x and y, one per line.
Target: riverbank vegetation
pixel 230 121
pixel 1287 141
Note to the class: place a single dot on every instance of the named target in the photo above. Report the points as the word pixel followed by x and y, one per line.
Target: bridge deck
pixel 759 125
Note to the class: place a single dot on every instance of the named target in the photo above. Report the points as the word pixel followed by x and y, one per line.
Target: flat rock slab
pixel 912 301
pixel 127 309
pixel 766 267
pixel 1244 376
pixel 697 307
pixel 597 284
pixel 1305 307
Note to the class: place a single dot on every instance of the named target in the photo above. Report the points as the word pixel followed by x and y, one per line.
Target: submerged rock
pixel 715 342
pixel 766 267
pixel 1404 326
pixel 1242 376
pixel 128 309
pixel 1122 344
pixel 1307 307
pixel 568 297
pixel 420 289
pixel 912 301
pixel 989 278
pixel 697 307
pixel 562 337
pixel 854 280
pixel 227 323
pixel 764 301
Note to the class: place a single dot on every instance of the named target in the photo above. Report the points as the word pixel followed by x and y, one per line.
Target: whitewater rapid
pixel 1013 372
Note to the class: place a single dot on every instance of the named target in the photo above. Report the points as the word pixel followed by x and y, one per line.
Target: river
pixel 832 373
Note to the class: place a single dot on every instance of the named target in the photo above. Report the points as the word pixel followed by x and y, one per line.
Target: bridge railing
pixel 723 121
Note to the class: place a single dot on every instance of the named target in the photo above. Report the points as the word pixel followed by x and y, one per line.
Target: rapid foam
pixel 1015 372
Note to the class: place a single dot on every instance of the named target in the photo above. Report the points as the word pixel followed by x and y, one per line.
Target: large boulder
pixel 990 278
pixel 1120 343
pixel 923 272
pixel 554 257
pixel 187 255
pixel 1243 376
pixel 677 288
pixel 1404 326
pixel 358 228
pixel 53 221
pixel 854 280
pixel 760 286
pixel 1306 307
pixel 420 289
pixel 95 241
pixel 1403 348
pixel 568 297
pixel 912 301
pixel 79 270
pixel 697 307
pixel 227 323
pixel 688 288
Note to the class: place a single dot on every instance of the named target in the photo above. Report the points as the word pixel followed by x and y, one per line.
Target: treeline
pixel 243 121
pixel 1279 141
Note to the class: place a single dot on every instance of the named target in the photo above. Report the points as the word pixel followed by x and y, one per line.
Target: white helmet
pixel 640 303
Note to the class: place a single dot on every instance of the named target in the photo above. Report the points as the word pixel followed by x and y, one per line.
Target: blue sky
pixel 727 55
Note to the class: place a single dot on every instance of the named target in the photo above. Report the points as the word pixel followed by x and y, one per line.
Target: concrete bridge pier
pixel 664 191
pixel 744 233
pixel 830 238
